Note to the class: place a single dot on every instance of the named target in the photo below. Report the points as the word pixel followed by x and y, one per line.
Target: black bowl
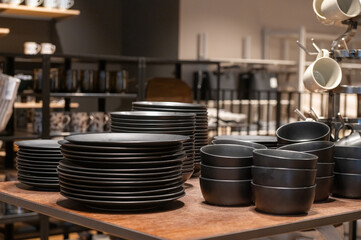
pixel 348 152
pixel 283 177
pixel 239 142
pixel 226 173
pixel 278 200
pixel 325 169
pixel 226 155
pixel 347 185
pixel 323 188
pixel 226 192
pixel 348 165
pixel 322 149
pixel 283 159
pixel 303 132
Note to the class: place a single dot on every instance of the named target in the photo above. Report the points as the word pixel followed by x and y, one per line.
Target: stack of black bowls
pixel 201 126
pixel 347 181
pixel 239 142
pixel 122 171
pixel 160 123
pixel 226 174
pixel 283 181
pixel 325 164
pixel 268 141
pixel 36 163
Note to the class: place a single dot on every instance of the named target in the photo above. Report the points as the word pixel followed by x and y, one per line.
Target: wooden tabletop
pixel 187 218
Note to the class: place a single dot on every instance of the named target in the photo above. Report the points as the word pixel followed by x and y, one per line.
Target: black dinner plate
pixel 39 151
pixel 152 125
pixel 198 112
pixel 155 121
pixel 40 185
pixel 39 144
pixel 31 167
pixel 53 173
pixel 37 162
pixel 50 158
pixel 126 139
pixel 149 128
pixel 36 154
pixel 151 115
pixel 170 104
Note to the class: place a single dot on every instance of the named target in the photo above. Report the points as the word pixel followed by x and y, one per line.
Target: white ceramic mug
pixel 80 122
pixel 100 119
pixel 31 48
pixel 50 3
pixel 339 10
pixel 320 17
pixel 15 2
pixel 47 48
pixel 65 4
pixel 33 3
pixel 323 74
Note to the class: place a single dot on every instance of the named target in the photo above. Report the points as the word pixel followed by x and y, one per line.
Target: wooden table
pixel 187 218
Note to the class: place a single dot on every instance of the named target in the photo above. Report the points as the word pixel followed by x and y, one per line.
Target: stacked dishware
pixel 283 181
pixel 36 163
pixel 305 131
pixel 239 142
pixel 325 164
pixel 347 182
pixel 201 126
pixel 159 122
pixel 226 174
pixel 268 141
pixel 122 171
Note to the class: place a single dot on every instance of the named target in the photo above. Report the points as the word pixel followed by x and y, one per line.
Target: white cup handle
pixel 323 53
pixel 39 2
pixel 70 3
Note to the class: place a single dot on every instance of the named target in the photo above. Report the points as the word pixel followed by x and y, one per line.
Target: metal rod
pixel 305 49
pixel 300 114
pixel 315 45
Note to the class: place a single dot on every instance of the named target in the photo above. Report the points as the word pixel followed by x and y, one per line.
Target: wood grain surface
pixel 187 218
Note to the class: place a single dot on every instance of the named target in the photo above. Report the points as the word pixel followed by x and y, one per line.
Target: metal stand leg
pixel 44 227
pixel 9 231
pixel 352 230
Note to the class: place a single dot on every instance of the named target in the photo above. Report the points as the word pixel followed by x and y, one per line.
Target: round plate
pixel 104 157
pixel 52 173
pixel 39 151
pixel 147 128
pixel 130 150
pixel 151 115
pixel 39 156
pixel 152 125
pixel 170 104
pixel 39 144
pixel 42 185
pixel 126 139
pixel 36 158
pixel 180 133
pixel 121 193
pixel 122 205
pixel 36 163
pixel 155 121
pixel 198 112
pixel 124 171
pixel 250 138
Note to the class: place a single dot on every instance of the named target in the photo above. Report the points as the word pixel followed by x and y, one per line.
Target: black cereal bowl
pixel 226 155
pixel 284 159
pixel 283 177
pixel 325 169
pixel 302 132
pixel 347 185
pixel 323 149
pixel 348 152
pixel 226 173
pixel 323 188
pixel 348 165
pixel 239 142
pixel 226 192
pixel 283 201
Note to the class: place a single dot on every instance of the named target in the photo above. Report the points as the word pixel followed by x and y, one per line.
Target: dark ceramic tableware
pixel 284 159
pixel 239 142
pixel 281 200
pixel 302 132
pixel 347 185
pixel 325 169
pixel 348 152
pixel 226 173
pixel 323 188
pixel 226 155
pixel 348 165
pixel 283 177
pixel 226 192
pixel 323 149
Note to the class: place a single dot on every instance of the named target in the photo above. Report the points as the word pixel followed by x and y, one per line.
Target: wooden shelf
pixel 4 31
pixel 42 12
pixel 40 105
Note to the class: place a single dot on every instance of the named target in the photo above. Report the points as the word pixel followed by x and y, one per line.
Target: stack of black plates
pixel 201 129
pixel 159 122
pixel 37 161
pixel 122 171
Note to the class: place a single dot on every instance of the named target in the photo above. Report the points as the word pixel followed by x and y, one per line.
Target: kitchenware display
pixel 31 48
pixel 50 3
pixel 69 79
pixel 88 80
pixel 347 180
pixel 59 122
pixel 47 48
pixel 118 81
pixel 163 126
pixel 80 122
pixel 340 10
pixel 65 4
pixel 280 177
pixel 201 121
pixel 268 141
pixel 120 174
pixel 33 3
pixel 36 163
pixel 100 119
pixel 282 200
pixel 103 81
pixel 226 174
pixel 55 84
pixel 239 142
pixel 305 131
pixel 325 164
pixel 323 74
